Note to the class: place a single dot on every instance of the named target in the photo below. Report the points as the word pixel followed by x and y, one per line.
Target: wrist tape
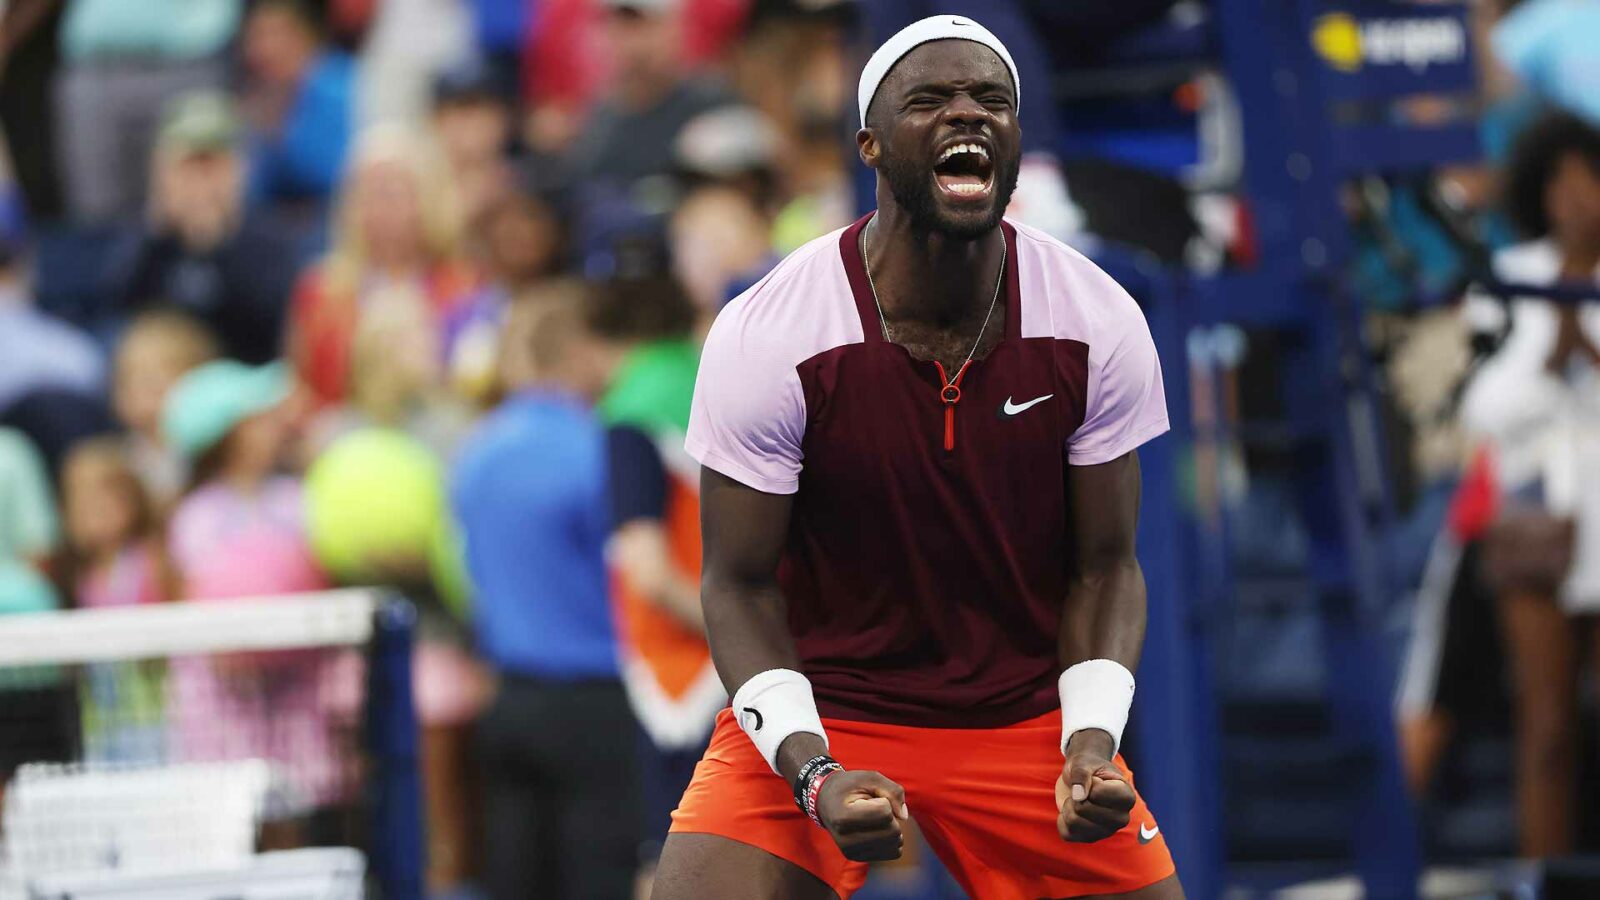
pixel 773 705
pixel 1096 693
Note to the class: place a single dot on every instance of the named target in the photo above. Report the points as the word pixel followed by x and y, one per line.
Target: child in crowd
pixel 155 351
pixel 112 556
pixel 240 533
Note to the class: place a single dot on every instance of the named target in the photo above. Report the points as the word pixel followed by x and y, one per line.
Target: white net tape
pixel 330 618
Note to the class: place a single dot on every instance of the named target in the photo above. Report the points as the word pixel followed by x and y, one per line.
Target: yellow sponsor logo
pixel 1337 39
pixel 1346 43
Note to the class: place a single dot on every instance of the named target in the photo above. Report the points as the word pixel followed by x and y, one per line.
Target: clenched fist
pixel 866 814
pixel 1093 795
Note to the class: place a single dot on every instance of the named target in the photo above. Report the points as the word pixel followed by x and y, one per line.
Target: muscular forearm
pixel 747 627
pixel 1104 619
pixel 747 617
pixel 1105 615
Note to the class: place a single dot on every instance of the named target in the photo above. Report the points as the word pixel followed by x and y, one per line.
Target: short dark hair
pixel 1534 159
pixel 644 308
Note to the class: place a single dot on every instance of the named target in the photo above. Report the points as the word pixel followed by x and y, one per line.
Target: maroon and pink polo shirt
pixel 927 561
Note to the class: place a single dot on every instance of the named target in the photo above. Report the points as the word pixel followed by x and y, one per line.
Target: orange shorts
pixel 983 798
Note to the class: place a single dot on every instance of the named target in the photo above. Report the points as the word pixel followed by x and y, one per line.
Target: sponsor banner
pixel 1375 49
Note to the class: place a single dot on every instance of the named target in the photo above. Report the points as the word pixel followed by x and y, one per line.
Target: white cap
pixel 933 28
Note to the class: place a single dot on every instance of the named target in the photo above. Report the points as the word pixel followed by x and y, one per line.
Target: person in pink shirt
pixel 240 533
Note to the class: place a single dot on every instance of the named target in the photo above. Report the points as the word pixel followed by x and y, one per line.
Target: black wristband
pixel 809 771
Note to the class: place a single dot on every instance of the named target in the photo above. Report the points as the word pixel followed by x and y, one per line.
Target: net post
pixel 397 840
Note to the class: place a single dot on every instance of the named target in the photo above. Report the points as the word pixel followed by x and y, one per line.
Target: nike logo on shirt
pixel 1011 409
pixel 1147 833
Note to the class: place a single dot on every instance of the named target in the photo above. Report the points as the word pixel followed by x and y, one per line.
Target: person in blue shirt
pixel 530 496
pixel 298 97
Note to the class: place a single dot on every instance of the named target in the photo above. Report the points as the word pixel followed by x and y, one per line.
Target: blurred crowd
pixel 296 294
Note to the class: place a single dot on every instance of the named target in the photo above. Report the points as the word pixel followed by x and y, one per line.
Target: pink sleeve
pixel 1127 405
pixel 749 412
pixel 188 529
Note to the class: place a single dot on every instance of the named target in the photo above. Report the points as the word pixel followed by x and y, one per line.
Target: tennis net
pixel 174 738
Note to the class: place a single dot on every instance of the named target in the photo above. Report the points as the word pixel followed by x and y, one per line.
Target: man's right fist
pixel 866 814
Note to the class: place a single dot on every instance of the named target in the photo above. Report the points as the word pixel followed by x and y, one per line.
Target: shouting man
pixel 919 494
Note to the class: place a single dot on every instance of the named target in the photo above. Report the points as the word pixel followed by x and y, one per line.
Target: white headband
pixel 933 28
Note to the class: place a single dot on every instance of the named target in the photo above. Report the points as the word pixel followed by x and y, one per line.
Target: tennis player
pixel 919 494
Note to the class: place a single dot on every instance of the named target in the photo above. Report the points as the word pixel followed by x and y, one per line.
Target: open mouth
pixel 964 170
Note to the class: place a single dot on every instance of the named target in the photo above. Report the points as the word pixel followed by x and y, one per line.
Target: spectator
pixel 721 244
pixel 297 97
pixel 124 62
pixel 240 531
pixel 630 132
pixel 520 242
pixel 733 146
pixel 40 351
pixel 655 544
pixel 27 526
pixel 566 61
pixel 474 120
pixel 529 493
pixel 797 67
pixel 113 556
pixel 201 250
pixel 157 349
pixel 398 222
pixel 1535 403
pixel 112 553
pixel 396 377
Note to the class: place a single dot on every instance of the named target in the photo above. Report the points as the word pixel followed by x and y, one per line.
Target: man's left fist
pixel 1093 795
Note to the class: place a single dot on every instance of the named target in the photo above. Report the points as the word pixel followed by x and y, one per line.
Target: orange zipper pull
pixel 951 395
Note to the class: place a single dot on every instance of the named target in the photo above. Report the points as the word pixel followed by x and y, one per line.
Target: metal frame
pixel 1300 147
pixel 398 845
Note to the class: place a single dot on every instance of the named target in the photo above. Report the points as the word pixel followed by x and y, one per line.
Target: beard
pixel 913 188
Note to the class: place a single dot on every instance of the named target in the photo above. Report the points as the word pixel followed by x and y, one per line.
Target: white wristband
pixel 1096 693
pixel 773 705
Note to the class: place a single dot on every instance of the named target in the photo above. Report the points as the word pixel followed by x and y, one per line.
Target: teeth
pixel 968 188
pixel 963 148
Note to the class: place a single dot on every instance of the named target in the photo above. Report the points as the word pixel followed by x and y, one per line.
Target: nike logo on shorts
pixel 1011 409
pixel 1148 832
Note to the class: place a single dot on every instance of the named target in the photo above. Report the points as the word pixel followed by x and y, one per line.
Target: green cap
pixel 198 122
pixel 211 399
